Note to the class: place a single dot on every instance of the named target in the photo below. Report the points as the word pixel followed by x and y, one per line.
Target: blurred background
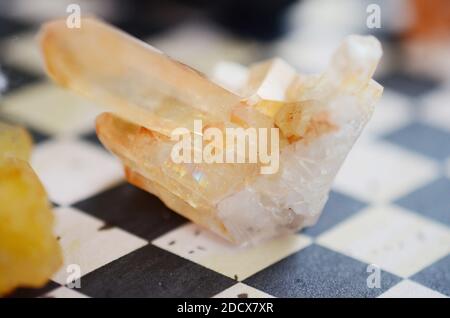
pixel 304 32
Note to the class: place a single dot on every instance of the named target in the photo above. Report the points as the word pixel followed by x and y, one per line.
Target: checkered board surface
pixel 390 205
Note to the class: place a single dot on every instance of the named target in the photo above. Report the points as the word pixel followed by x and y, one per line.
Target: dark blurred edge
pixel 260 20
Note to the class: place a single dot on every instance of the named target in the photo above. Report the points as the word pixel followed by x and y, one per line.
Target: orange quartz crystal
pixel 148 95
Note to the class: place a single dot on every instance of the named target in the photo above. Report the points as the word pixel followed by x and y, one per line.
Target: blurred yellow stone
pixel 15 142
pixel 29 252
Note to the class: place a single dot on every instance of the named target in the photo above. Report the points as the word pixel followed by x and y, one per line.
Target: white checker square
pixel 380 172
pixel 241 290
pixel 72 170
pixel 51 109
pixel 208 250
pixel 392 112
pixel 410 289
pixel 398 241
pixel 436 109
pixel 85 245
pixel 64 292
pixel 232 76
pixel 22 50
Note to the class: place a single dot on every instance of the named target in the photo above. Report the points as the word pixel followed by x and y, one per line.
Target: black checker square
pixel 133 210
pixel 10 27
pixel 92 138
pixel 408 84
pixel 436 276
pixel 153 272
pixel 317 271
pixel 17 78
pixel 432 200
pixel 418 137
pixel 338 208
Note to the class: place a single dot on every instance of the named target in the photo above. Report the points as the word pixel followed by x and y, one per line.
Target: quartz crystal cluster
pixel 29 252
pixel 148 94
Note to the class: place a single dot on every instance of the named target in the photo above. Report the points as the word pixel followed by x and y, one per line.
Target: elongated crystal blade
pixel 136 80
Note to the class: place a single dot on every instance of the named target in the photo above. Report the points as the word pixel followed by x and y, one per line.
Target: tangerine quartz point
pixel 29 252
pixel 148 95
